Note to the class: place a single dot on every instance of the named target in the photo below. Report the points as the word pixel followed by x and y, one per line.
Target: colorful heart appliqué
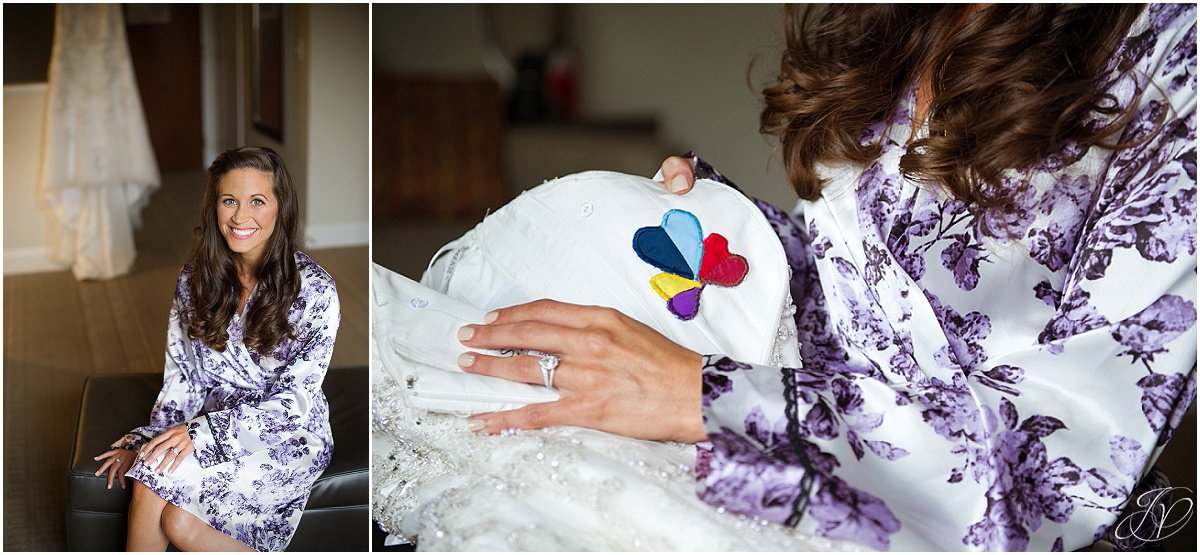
pixel 688 264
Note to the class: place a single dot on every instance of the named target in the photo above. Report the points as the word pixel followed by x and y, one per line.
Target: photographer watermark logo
pixel 1158 517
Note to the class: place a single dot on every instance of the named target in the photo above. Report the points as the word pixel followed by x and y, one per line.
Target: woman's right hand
pixel 117 462
pixel 678 175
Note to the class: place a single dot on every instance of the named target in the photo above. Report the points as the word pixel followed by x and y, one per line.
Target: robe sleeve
pixel 1040 443
pixel 183 391
pixel 229 434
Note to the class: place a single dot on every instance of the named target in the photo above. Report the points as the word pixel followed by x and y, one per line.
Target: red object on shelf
pixel 562 81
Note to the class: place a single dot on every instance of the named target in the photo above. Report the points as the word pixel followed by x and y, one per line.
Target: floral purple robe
pixel 979 381
pixel 259 423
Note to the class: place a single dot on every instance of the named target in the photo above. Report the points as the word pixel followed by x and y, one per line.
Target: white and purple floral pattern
pixel 259 423
pixel 979 381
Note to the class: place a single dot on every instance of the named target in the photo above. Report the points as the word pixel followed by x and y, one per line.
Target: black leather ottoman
pixel 337 517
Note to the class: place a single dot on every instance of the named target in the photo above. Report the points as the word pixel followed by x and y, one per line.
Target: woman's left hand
pixel 614 374
pixel 173 446
pixel 116 463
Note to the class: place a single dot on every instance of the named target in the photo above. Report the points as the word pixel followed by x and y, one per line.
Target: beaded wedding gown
pixel 97 168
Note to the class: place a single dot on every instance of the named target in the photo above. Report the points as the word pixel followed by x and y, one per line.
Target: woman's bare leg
pixel 189 533
pixel 145 520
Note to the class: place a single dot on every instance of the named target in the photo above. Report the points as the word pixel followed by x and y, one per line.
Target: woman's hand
pixel 678 175
pixel 173 446
pixel 614 374
pixel 116 462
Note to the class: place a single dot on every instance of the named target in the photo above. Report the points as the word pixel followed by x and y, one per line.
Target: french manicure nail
pixel 465 333
pixel 465 360
pixel 490 317
pixel 476 424
pixel 678 184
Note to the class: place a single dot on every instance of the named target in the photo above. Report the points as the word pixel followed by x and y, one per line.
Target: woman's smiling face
pixel 246 211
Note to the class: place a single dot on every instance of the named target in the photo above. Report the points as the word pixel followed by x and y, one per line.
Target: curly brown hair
pixel 1011 84
pixel 214 284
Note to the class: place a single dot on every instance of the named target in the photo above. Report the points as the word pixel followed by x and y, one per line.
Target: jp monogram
pixel 1157 520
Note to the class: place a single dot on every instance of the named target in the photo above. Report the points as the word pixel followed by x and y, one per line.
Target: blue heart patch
pixel 675 246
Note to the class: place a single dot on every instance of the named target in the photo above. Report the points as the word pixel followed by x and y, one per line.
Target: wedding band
pixel 173 450
pixel 118 461
pixel 548 363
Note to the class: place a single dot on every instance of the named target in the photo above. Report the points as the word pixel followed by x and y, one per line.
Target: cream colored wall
pixel 689 68
pixel 294 146
pixel 326 72
pixel 24 222
pixel 222 71
pixel 686 66
pixel 339 137
pixel 326 141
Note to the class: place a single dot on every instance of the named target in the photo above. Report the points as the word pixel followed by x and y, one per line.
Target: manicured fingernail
pixel 490 317
pixel 465 333
pixel 465 360
pixel 679 184
pixel 476 424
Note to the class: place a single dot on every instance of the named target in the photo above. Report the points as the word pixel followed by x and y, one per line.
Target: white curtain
pixel 98 168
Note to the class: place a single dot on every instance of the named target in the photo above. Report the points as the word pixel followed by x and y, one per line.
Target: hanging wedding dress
pixel 97 167
pixel 592 238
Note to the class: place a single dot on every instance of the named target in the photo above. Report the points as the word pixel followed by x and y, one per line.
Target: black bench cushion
pixel 114 404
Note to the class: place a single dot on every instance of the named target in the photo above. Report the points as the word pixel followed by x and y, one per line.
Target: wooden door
pixel 438 148
pixel 165 46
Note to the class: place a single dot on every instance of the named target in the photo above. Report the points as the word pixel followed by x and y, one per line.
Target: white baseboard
pixel 30 260
pixel 26 88
pixel 337 235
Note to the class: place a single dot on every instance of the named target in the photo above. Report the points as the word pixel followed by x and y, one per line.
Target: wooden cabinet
pixel 437 146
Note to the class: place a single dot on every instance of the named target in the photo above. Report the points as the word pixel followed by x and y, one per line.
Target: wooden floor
pixel 58 330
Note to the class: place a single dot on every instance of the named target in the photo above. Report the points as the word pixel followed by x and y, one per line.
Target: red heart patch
pixel 719 266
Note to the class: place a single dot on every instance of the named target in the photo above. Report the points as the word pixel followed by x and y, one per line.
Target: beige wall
pixel 684 65
pixel 437 39
pixel 688 66
pixel 222 73
pixel 294 146
pixel 338 119
pixel 24 222
pixel 326 142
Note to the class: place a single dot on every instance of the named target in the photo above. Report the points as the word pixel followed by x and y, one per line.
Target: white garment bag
pixel 97 167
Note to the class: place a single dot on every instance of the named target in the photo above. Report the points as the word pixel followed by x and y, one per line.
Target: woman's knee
pixel 143 495
pixel 180 526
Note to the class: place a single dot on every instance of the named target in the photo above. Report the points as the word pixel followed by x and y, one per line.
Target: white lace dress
pixel 97 168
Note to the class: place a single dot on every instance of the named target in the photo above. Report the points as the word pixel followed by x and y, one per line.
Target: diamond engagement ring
pixel 548 363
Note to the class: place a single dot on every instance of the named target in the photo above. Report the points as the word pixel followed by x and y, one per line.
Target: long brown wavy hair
pixel 214 284
pixel 1011 84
